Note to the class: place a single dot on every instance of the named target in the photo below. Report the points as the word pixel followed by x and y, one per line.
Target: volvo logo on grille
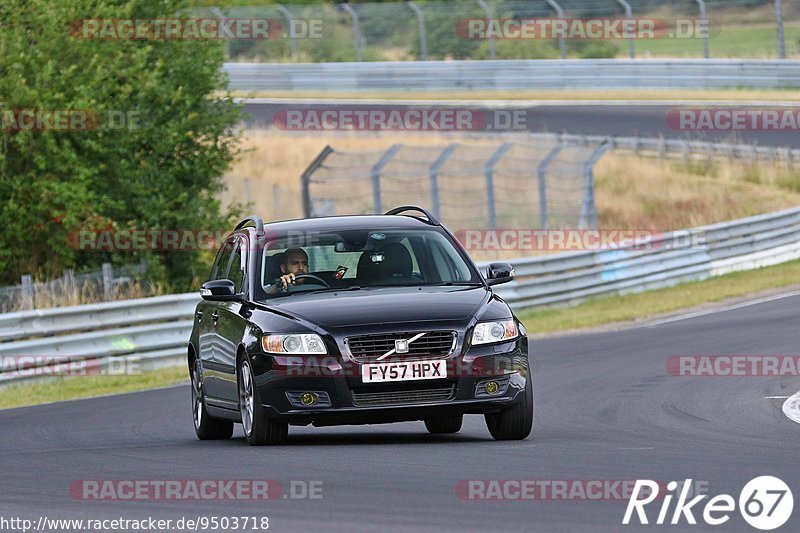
pixel 401 346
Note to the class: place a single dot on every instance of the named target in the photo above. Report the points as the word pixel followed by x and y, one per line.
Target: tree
pixel 151 155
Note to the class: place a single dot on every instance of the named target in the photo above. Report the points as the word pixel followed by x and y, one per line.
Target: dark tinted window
pixel 236 270
pixel 220 269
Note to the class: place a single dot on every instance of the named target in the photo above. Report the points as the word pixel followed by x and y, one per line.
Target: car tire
pixel 206 427
pixel 449 424
pixel 516 422
pixel 258 429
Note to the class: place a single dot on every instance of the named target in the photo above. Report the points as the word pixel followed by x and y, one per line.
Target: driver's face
pixel 296 263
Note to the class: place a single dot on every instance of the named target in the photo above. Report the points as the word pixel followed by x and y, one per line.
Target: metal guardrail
pixel 396 76
pixel 676 257
pixel 155 330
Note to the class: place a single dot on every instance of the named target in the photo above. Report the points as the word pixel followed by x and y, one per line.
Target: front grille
pixel 367 348
pixel 368 399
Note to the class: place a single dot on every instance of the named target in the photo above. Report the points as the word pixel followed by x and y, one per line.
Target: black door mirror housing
pixel 498 273
pixel 220 290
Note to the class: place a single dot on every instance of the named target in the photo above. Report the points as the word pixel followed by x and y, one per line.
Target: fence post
pixel 423 38
pixel 704 27
pixel 305 179
pixel 588 208
pixel 433 172
pixel 544 218
pixel 292 38
pixel 69 282
pixel 27 292
pixel 562 46
pixel 492 208
pixel 376 175
pixel 489 16
pixel 108 282
pixel 779 21
pixel 356 28
pixel 629 16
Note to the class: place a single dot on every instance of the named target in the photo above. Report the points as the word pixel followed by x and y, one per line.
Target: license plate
pixel 403 371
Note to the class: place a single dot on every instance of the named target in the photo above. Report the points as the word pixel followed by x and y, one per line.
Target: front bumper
pixel 348 400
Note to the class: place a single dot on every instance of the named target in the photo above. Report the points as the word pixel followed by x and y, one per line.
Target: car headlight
pixel 497 331
pixel 294 344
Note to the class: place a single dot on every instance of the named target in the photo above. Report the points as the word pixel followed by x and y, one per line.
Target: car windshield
pixel 363 259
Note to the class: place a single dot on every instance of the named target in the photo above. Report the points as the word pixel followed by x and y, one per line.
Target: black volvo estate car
pixel 355 320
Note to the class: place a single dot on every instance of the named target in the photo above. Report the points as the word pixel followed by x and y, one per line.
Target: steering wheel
pixel 313 277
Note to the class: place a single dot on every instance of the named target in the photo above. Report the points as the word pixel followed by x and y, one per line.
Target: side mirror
pixel 498 273
pixel 219 290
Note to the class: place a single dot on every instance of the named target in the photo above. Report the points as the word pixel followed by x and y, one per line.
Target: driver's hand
pixel 286 280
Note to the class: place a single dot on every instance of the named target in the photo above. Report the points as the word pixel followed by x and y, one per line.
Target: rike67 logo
pixel 765 503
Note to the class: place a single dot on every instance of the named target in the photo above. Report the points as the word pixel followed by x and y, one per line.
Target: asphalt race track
pixel 617 120
pixel 606 410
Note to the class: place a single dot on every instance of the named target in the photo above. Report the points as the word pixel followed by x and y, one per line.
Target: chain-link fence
pixel 543 184
pixel 518 29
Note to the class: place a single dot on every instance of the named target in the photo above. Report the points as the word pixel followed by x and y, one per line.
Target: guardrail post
pixel 562 46
pixel 433 172
pixel 588 207
pixel 541 171
pixel 376 175
pixel 292 38
pixel 704 27
pixel 108 282
pixel 27 292
pixel 629 16
pixel 492 208
pixel 423 38
pixel 779 22
pixel 356 28
pixel 305 179
pixel 489 16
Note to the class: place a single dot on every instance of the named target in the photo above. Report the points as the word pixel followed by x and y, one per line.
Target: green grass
pixel 70 388
pixel 728 42
pixel 637 307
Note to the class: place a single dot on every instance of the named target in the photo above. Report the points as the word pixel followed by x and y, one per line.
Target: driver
pixel 295 262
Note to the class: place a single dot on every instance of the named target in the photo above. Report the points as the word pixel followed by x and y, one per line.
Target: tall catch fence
pixel 544 184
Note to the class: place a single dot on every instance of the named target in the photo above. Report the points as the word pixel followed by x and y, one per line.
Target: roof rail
pixel 252 219
pixel 403 208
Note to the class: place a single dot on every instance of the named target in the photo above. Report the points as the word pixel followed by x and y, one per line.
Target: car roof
pixel 349 222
